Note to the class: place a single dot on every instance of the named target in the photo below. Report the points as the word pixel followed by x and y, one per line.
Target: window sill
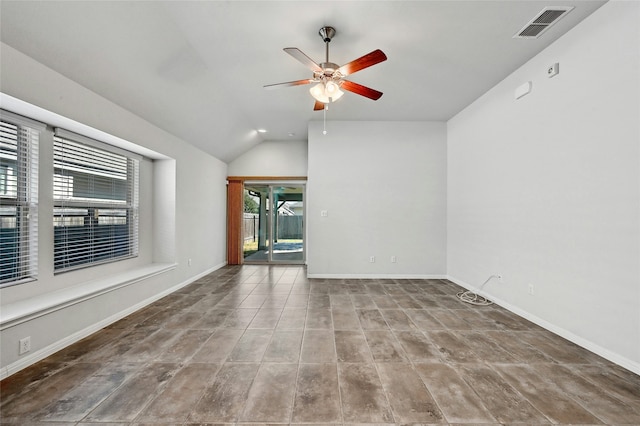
pixel 26 310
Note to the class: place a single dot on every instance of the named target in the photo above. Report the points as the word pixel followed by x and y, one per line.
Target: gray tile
pixel 340 301
pixel 251 346
pixel 482 365
pixel 318 346
pixel 292 318
pixel 547 398
pixel 351 346
pixel 397 319
pixel 417 346
pixel 363 301
pixel 507 320
pixel 591 396
pixel 213 318
pixel 502 400
pixel 183 320
pixel 225 399
pixel 319 319
pixel 85 397
pixel 181 394
pixel 266 318
pixel 409 399
pixel 218 347
pixel 317 395
pixel 371 319
pixel 185 346
pixel 477 320
pixel 384 347
pixel 384 302
pixel 457 400
pixel 485 348
pixel 319 301
pixel 405 301
pixel 151 347
pixel 345 319
pixel 296 300
pixel 512 343
pixel 253 301
pixel 37 395
pixel 560 350
pixel 424 320
pixel 285 346
pixel 239 318
pixel 270 398
pixel 449 319
pixel 625 386
pixel 128 400
pixel 363 399
pixel 452 347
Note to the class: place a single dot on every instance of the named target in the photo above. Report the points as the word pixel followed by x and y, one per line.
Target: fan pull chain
pixel 324 121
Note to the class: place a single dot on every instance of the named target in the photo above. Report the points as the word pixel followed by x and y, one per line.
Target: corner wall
pixel 58 309
pixel 272 158
pixel 545 190
pixel 383 187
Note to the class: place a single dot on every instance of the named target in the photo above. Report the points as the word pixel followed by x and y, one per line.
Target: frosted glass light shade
pixel 325 93
pixel 319 93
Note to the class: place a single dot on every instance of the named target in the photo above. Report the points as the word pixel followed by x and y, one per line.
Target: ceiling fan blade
pixel 319 106
pixel 363 62
pixel 304 59
pixel 289 84
pixel 361 90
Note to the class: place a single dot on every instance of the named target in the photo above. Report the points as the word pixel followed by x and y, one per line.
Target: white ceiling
pixel 196 68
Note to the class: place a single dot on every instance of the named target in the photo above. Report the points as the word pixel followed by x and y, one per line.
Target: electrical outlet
pixel 372 259
pixel 24 345
pixel 531 290
pixel 393 259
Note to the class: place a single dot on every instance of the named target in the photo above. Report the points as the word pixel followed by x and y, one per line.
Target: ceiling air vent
pixel 542 21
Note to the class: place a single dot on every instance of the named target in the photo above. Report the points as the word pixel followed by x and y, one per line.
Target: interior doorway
pixel 273 226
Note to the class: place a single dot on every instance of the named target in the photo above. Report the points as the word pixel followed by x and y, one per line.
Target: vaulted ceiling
pixel 197 68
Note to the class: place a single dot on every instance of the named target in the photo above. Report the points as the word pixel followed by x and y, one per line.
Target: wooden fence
pixel 287 227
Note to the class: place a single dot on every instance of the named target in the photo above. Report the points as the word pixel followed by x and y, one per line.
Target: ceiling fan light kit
pixel 329 78
pixel 326 92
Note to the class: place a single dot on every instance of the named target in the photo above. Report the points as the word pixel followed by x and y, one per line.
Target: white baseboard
pixel 41 354
pixel 580 341
pixel 378 276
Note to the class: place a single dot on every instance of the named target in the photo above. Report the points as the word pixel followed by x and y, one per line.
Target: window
pixel 18 198
pixel 95 196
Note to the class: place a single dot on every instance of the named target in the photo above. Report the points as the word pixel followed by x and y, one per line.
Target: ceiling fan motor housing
pixel 328 68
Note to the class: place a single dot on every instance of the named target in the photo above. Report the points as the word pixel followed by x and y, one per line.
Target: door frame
pixel 235 210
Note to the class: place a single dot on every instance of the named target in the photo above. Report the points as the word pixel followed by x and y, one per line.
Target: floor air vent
pixel 542 21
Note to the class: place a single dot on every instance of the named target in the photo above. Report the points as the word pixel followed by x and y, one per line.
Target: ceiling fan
pixel 330 77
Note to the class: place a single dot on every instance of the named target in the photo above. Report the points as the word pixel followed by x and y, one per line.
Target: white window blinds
pixel 95 195
pixel 18 198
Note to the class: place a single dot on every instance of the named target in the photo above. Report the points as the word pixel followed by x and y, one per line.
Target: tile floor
pixel 260 344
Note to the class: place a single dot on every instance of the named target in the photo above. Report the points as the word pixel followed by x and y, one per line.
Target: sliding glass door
pixel 273 223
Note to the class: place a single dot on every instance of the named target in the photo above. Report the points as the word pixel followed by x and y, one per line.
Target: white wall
pixel 383 185
pixel 187 180
pixel 546 189
pixel 272 158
